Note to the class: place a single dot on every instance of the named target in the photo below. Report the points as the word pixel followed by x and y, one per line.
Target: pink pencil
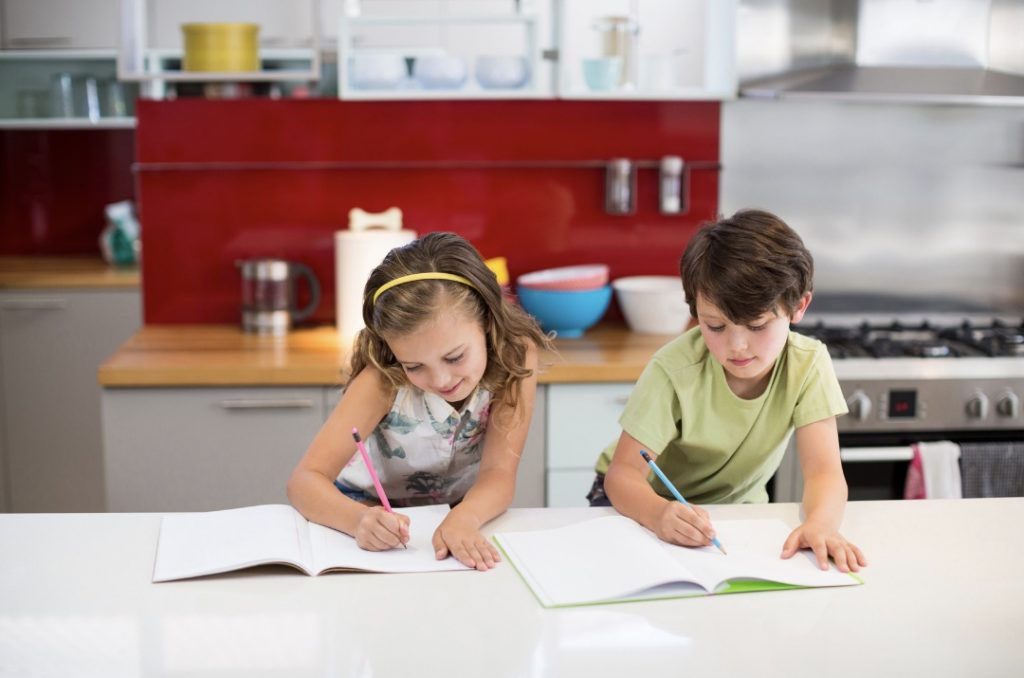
pixel 373 473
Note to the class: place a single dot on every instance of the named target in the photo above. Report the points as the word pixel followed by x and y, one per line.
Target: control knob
pixel 1009 405
pixel 860 405
pixel 977 406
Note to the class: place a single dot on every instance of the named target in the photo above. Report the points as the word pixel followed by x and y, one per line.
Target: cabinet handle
pixel 280 404
pixel 40 42
pixel 33 304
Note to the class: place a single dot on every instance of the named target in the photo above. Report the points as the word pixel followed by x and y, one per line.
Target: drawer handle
pixel 867 454
pixel 34 304
pixel 281 404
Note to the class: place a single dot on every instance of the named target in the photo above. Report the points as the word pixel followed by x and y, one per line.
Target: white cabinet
pixel 582 419
pixel 51 344
pixel 451 49
pixel 282 23
pixel 60 24
pixel 204 449
pixel 647 49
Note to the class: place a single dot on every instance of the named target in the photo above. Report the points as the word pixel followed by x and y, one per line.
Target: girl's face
pixel 747 352
pixel 446 356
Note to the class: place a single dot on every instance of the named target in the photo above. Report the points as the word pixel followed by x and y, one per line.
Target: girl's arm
pixel 311 486
pixel 627 487
pixel 495 485
pixel 824 499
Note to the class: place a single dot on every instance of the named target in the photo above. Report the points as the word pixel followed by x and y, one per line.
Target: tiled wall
pixel 221 181
pixel 54 185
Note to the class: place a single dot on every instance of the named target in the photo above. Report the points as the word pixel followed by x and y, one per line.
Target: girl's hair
pixel 746 265
pixel 400 310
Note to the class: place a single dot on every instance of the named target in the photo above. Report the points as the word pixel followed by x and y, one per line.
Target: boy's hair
pixel 402 309
pixel 746 265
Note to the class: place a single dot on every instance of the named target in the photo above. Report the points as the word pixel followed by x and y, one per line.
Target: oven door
pixel 875 464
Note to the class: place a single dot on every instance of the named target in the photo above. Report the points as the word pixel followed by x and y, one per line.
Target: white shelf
pixel 440 94
pixel 67 123
pixel 58 54
pixel 441 19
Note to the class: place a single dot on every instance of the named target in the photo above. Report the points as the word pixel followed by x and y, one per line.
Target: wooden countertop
pixel 64 273
pixel 222 355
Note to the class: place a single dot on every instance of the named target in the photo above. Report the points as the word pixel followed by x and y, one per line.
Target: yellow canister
pixel 221 47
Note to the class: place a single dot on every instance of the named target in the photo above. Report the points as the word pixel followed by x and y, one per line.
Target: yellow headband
pixel 430 275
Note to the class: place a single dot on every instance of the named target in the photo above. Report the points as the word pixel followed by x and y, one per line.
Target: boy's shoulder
pixel 685 351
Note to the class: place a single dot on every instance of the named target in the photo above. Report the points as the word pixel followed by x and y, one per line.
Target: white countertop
pixel 943 597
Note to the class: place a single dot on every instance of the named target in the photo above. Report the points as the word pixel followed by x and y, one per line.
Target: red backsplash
pixel 221 181
pixel 54 185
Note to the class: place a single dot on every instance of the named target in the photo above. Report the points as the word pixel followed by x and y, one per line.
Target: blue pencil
pixel 672 488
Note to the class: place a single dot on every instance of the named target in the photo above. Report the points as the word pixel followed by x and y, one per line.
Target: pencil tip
pixel 355 434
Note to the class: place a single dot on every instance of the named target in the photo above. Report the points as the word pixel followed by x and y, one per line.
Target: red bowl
pixel 584 277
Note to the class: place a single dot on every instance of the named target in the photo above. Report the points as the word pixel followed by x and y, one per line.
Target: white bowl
pixel 501 72
pixel 653 304
pixel 376 71
pixel 439 72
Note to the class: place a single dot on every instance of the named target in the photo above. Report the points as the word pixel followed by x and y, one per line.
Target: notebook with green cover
pixel 614 559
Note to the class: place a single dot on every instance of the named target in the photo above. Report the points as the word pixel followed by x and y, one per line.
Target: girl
pixel 443 378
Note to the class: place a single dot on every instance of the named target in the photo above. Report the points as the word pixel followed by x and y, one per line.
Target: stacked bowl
pixel 566 300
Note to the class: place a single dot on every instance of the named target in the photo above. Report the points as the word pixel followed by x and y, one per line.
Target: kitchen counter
pixel 222 355
pixel 942 597
pixel 64 273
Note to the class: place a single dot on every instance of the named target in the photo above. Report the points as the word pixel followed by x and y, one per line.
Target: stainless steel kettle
pixel 270 293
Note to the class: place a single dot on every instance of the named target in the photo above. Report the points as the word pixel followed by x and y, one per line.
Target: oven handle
pixel 862 454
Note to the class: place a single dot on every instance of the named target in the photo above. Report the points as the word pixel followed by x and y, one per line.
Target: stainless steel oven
pixel 915 380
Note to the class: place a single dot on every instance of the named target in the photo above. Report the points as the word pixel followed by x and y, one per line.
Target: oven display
pixel 902 404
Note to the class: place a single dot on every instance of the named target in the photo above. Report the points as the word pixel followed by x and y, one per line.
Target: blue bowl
pixel 566 312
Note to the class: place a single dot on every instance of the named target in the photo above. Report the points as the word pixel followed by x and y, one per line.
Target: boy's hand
pixel 379 530
pixel 459 535
pixel 825 542
pixel 685 525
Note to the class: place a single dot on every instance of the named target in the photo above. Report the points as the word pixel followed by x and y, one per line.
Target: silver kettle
pixel 270 293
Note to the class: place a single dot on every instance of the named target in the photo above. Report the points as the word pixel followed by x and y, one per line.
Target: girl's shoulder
pixel 372 385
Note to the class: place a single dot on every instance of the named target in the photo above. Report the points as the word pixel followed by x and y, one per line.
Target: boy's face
pixel 747 352
pixel 446 356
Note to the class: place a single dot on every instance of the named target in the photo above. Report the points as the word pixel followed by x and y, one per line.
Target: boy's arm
pixel 824 499
pixel 627 487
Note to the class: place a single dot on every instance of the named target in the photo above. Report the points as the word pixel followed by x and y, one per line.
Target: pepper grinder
pixel 620 187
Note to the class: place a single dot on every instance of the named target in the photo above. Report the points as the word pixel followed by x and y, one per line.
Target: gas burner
pixel 896 340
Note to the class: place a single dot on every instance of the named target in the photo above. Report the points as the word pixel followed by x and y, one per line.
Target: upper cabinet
pixel 444 49
pixel 59 24
pixel 646 49
pixel 580 49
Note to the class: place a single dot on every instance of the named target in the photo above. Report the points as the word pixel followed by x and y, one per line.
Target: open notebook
pixel 614 559
pixel 197 544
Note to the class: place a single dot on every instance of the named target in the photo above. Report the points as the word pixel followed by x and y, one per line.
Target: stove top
pixel 995 338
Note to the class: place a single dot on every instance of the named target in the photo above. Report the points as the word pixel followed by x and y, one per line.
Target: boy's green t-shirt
pixel 715 446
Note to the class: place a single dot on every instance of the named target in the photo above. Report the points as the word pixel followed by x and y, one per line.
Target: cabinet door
pixel 647 49
pixel 49 24
pixel 51 344
pixel 282 23
pixel 204 449
pixel 582 419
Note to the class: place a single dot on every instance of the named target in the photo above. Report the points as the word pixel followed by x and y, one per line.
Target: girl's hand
pixel 825 542
pixel 379 530
pixel 686 525
pixel 459 535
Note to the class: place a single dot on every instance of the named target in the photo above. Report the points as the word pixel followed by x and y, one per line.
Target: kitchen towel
pixel 356 254
pixel 993 469
pixel 934 472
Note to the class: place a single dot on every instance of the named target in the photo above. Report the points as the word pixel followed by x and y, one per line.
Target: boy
pixel 718 404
